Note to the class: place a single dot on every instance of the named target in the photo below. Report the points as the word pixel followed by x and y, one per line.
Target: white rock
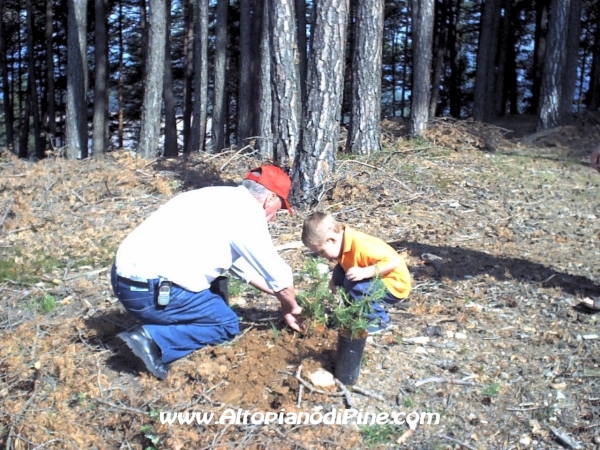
pixel 450 334
pixel 322 378
pixel 460 335
pixel 525 440
pixel 417 340
pixel 323 268
pixel 590 336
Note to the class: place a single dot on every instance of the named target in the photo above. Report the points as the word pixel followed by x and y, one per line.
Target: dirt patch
pixel 502 247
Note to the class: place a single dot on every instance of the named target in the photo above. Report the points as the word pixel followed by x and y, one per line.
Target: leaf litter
pixel 502 245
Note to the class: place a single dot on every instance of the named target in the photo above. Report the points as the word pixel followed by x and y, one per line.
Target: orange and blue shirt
pixel 363 250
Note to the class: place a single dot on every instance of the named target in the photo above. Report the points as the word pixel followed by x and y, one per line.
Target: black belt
pixel 136 283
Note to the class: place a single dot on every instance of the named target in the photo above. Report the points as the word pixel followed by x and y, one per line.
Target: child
pixel 361 258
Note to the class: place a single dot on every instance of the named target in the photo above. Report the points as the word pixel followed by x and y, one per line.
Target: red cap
pixel 275 180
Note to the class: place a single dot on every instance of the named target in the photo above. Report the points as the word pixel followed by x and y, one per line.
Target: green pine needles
pixel 341 312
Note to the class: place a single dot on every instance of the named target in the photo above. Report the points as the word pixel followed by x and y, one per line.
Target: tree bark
pixel 246 79
pixel 422 36
pixel 302 47
pixel 265 102
pixel 285 81
pixel 439 50
pixel 572 61
pixel 100 123
pixel 486 59
pixel 325 82
pixel 594 91
pixel 539 50
pixel 76 119
pixel 364 134
pixel 188 71
pixel 198 130
pixel 549 114
pixel 9 119
pixel 220 78
pixel 170 148
pixel 153 80
pixel 50 118
pixel 120 93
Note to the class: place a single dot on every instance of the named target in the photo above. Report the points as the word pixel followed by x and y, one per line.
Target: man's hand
pixel 294 321
pixel 332 286
pixel 595 159
pixel 291 310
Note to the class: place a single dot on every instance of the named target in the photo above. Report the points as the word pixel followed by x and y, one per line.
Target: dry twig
pixel 445 380
pixel 368 393
pixel 345 392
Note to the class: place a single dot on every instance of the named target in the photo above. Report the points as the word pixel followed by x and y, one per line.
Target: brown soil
pixel 502 245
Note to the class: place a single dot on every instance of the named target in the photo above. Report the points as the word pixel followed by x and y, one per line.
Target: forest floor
pixel 502 239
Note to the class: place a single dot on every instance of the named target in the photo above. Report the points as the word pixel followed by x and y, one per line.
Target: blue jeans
pixel 190 321
pixel 359 289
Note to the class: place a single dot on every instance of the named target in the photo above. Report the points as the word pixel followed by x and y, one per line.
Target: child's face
pixel 330 249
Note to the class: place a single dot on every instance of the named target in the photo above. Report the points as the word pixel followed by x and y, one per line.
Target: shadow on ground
pixel 460 263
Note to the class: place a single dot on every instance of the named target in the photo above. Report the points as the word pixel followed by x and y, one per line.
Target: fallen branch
pixel 565 440
pixel 445 380
pixel 123 408
pixel 378 169
pixel 233 157
pixel 289 245
pixel 92 272
pixel 368 393
pixel 458 442
pixel 345 392
pixel 301 387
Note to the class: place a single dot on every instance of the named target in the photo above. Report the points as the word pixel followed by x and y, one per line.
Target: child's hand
pixel 332 286
pixel 359 273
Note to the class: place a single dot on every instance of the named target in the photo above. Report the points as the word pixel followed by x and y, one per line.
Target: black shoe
pixel 143 347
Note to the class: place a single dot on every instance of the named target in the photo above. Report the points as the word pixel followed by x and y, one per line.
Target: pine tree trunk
pixel 32 83
pixel 285 81
pixel 549 114
pixel 220 83
pixel 364 133
pixel 76 120
pixel 422 36
pixel 9 119
pixel 198 130
pixel 50 119
pixel 188 71
pixel 540 36
pixel 100 81
pixel 572 61
pixel 153 81
pixel 486 58
pixel 170 148
pixel 120 93
pixel 264 101
pixel 439 50
pixel 246 80
pixel 594 91
pixel 325 83
pixel 302 49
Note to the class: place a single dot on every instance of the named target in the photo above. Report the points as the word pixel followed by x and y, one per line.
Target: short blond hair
pixel 317 226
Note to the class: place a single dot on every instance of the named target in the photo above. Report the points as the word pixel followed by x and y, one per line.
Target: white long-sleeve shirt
pixel 198 235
